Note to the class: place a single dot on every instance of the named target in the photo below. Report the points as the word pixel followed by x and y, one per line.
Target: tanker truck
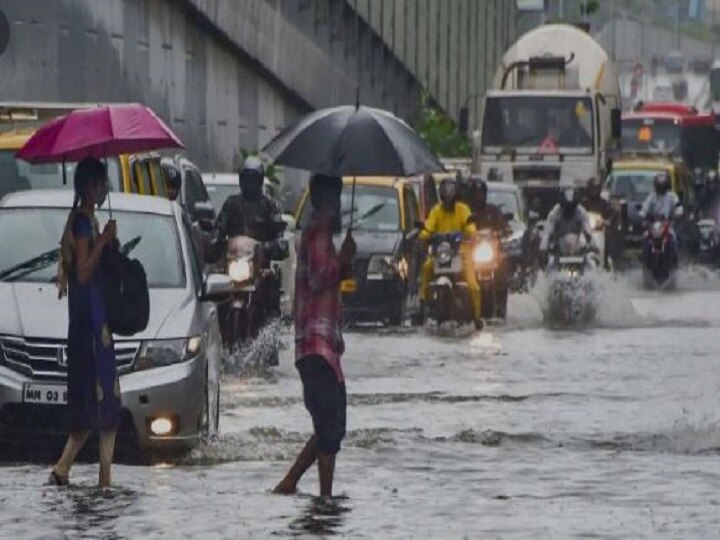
pixel 551 116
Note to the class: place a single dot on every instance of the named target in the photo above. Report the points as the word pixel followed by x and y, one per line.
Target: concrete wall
pixel 451 46
pixel 229 74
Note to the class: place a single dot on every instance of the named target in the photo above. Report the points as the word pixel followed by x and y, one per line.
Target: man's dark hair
pixel 322 187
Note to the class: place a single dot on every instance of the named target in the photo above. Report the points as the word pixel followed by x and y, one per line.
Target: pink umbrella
pixel 108 130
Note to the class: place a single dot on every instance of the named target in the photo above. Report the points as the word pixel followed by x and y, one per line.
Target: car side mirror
pixel 217 287
pixel 203 211
pixel 616 123
pixel 206 225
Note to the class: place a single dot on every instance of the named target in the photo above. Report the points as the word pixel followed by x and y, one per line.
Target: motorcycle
pixel 256 289
pixel 659 265
pixel 570 291
pixel 489 261
pixel 708 242
pixel 449 295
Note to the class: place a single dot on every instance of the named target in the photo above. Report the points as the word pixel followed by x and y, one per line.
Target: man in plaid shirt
pixel 318 338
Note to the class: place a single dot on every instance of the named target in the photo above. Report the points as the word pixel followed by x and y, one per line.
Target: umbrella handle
pixel 352 206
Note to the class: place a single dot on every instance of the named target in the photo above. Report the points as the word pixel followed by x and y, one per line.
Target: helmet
pixel 594 186
pixel 252 176
pixel 569 203
pixel 448 190
pixel 662 183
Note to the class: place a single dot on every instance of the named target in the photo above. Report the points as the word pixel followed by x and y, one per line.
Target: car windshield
pixel 538 124
pixel 219 194
pixel 506 201
pixel 29 244
pixel 18 175
pixel 634 185
pixel 651 134
pixel 376 208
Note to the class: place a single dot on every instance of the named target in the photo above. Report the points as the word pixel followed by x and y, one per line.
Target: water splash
pixel 257 357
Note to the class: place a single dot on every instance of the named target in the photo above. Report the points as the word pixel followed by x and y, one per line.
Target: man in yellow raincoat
pixel 451 215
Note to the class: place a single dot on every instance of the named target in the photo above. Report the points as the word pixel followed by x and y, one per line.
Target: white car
pixel 169 373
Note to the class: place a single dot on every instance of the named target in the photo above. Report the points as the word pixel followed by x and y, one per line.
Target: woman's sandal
pixel 56 480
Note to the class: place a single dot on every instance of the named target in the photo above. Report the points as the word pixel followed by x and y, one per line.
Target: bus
pixel 672 129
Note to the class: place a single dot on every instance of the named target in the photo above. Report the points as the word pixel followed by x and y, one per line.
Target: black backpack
pixel 127 298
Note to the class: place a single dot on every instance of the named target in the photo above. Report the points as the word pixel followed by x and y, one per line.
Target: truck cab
pixel 551 117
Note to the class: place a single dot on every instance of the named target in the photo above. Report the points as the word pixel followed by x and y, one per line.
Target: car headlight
pixel 165 352
pixel 240 270
pixel 483 253
pixel 383 264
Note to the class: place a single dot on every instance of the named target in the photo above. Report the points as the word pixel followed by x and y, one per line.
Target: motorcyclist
pixel 447 216
pixel 251 213
pixel 484 214
pixel 594 203
pixel 661 203
pixel 567 217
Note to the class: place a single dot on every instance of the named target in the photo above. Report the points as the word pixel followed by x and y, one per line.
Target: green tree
pixel 440 132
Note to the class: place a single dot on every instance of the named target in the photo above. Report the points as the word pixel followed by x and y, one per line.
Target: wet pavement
pixel 517 432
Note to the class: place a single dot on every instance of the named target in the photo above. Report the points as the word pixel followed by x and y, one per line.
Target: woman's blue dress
pixel 93 386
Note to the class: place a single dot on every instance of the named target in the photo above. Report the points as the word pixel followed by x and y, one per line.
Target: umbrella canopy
pixel 99 132
pixel 353 141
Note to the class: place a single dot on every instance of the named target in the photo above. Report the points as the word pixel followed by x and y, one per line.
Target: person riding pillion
pixel 567 217
pixel 448 216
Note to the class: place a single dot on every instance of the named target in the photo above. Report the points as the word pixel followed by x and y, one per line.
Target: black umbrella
pixel 353 141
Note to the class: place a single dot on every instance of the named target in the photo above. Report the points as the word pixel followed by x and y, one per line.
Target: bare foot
pixel 285 487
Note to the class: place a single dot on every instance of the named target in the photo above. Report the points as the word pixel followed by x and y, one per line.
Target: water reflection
pixel 322 516
pixel 83 509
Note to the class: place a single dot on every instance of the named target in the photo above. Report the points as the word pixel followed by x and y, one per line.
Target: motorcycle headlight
pixel 444 253
pixel 483 253
pixel 165 352
pixel 240 270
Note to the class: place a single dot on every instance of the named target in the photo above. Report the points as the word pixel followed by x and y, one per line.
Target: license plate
pixel 45 394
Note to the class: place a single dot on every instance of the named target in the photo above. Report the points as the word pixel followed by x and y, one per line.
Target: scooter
pixel 257 289
pixel 708 242
pixel 659 264
pixel 449 295
pixel 571 298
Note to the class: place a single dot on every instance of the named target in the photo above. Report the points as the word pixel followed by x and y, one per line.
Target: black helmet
pixel 569 202
pixel 662 183
pixel 252 176
pixel 448 190
pixel 594 186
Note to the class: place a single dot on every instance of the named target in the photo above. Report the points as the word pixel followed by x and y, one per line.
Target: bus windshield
pixel 538 125
pixel 697 144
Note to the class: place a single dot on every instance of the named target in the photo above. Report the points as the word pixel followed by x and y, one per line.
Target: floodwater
pixel 611 431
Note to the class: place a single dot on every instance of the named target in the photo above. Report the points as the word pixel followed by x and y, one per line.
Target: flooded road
pixel 518 432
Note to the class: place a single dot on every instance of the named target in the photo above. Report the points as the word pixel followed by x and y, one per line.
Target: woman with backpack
pixel 93 387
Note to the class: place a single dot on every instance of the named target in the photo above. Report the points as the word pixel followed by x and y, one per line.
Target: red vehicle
pixel 672 128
